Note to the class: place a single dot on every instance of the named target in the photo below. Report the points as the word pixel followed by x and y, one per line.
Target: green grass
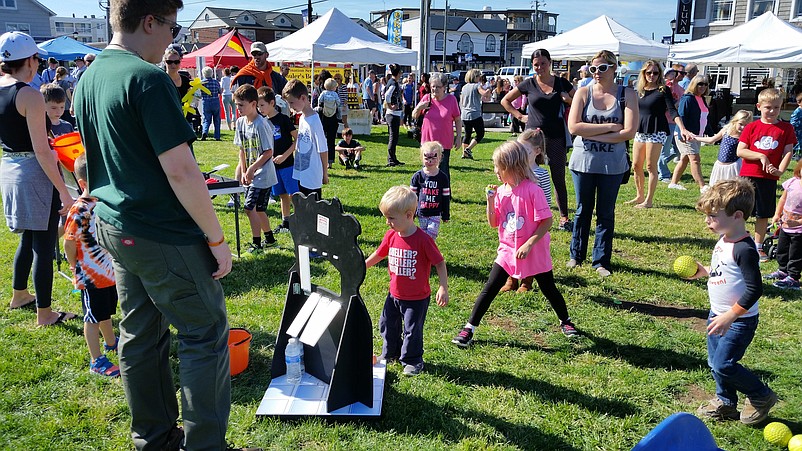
pixel 522 386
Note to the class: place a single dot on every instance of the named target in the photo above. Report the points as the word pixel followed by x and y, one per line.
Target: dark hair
pixel 541 53
pixel 324 75
pixel 267 94
pixel 234 70
pixel 125 15
pixel 9 67
pixel 80 167
pixel 395 69
pixel 295 88
pixel 227 71
pixel 53 93
pixel 347 132
pixel 247 93
pixel 424 77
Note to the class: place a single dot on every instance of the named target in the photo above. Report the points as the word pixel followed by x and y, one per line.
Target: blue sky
pixel 644 17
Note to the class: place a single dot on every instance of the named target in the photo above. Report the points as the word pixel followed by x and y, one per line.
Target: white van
pixel 509 72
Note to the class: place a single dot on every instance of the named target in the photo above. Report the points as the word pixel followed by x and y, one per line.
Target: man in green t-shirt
pixel 157 221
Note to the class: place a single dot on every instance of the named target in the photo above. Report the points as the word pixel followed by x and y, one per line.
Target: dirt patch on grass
pixel 695 396
pixel 503 323
pixel 509 325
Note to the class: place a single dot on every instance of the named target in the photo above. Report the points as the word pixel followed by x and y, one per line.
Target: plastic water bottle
pixel 293 359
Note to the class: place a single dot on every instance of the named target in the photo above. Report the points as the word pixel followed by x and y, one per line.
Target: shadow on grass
pixel 547 391
pixel 414 415
pixel 468 272
pixel 705 243
pixel 677 207
pixel 661 311
pixel 642 356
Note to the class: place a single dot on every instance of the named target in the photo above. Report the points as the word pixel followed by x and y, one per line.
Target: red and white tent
pixel 228 50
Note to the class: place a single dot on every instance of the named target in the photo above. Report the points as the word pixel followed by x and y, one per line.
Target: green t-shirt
pixel 128 114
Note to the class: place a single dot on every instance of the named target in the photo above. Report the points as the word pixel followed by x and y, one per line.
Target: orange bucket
pixel 68 147
pixel 239 342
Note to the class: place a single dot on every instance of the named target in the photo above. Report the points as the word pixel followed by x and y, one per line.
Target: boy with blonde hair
pixel 734 287
pixel 411 255
pixel 766 147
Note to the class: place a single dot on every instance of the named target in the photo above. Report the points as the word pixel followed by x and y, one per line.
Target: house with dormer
pixel 27 16
pixel 265 26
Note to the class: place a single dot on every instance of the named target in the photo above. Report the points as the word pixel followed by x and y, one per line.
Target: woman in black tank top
pixel 28 174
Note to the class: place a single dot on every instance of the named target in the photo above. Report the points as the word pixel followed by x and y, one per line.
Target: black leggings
pixel 479 125
pixel 330 126
pixel 37 249
pixel 393 123
pixel 557 154
pixel 498 276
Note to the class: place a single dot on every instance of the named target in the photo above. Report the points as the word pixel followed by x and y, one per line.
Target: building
pixel 27 16
pixel 711 17
pixel 83 29
pixel 519 27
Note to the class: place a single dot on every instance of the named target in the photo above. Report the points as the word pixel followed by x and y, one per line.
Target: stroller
pixel 771 239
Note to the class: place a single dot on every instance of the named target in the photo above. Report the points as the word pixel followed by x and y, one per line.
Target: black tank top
pixel 14 135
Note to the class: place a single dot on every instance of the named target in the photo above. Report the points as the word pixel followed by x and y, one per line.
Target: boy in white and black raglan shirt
pixel 734 288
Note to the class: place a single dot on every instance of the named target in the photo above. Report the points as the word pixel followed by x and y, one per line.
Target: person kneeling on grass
pixel 411 255
pixel 93 274
pixel 734 287
pixel 254 137
pixel 519 210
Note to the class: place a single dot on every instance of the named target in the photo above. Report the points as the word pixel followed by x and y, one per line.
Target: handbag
pixel 416 130
pixel 622 101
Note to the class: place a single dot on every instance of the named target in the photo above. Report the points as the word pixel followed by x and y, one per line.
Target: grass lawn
pixel 523 385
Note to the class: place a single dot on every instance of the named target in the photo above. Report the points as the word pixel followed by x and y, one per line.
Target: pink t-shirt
pixel 519 211
pixel 793 203
pixel 703 115
pixel 438 124
pixel 409 262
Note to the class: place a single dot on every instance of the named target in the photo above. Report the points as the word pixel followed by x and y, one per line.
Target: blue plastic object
pixel 680 431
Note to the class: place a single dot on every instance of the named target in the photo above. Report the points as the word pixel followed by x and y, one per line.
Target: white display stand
pixel 359 121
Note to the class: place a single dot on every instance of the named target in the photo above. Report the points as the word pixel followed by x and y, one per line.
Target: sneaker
pixel 764 257
pixel 269 242
pixel 704 189
pixel 776 275
pixel 357 166
pixel 572 263
pixel 388 360
pixel 716 409
pixel 282 228
pixel 666 180
pixel 413 370
pixel 566 226
pixel 757 409
pixel 677 186
pixel 788 283
pixel 101 366
pixel 568 329
pixel 230 203
pixel 112 348
pixel 254 250
pixel 464 338
pixel 603 272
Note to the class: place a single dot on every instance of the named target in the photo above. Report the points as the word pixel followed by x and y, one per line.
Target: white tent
pixel 764 41
pixel 334 38
pixel 601 33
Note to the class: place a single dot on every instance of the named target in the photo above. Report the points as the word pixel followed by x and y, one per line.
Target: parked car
pixel 509 72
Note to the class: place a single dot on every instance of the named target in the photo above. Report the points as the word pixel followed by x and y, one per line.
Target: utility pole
pixel 423 45
pixel 445 34
pixel 105 6
pixel 536 21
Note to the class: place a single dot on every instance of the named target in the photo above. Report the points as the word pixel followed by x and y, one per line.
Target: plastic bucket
pixel 68 147
pixel 239 342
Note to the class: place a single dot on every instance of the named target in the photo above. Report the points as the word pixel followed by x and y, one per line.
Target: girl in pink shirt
pixel 519 210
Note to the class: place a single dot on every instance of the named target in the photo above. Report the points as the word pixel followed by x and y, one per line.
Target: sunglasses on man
pixel 175 28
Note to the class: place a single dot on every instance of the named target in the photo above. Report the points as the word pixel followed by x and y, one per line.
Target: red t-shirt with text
pixel 409 262
pixel 769 139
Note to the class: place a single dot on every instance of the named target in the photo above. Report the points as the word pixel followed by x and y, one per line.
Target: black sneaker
pixel 566 226
pixel 464 338
pixel 568 328
pixel 283 228
pixel 270 241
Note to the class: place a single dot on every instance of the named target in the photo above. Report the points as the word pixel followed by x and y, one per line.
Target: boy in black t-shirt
pixel 350 150
pixel 284 136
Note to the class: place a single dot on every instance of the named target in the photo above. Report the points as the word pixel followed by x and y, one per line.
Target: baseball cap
pixel 79 58
pixel 670 70
pixel 584 68
pixel 258 46
pixel 16 45
pixel 52 60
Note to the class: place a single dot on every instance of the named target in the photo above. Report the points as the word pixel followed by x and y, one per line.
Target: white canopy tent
pixel 334 38
pixel 601 33
pixel 764 41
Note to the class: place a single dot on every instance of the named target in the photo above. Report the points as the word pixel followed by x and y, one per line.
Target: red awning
pixel 220 53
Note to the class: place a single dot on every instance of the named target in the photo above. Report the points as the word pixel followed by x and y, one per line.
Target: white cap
pixel 16 45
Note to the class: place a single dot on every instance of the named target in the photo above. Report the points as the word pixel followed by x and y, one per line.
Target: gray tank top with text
pixel 597 157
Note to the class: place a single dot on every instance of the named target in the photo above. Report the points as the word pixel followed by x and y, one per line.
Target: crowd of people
pixel 123 238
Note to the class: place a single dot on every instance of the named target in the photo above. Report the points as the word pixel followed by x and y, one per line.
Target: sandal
pixel 62 318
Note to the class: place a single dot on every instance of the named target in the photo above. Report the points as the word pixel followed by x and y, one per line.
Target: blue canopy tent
pixel 65 48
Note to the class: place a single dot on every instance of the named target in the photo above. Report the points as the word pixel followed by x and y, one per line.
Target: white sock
pixel 758 246
pixel 470 326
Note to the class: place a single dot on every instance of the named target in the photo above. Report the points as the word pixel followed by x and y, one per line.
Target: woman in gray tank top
pixel 470 103
pixel 604 116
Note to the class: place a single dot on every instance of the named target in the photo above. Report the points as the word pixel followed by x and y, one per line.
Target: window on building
pixel 465 44
pixel 490 43
pixel 797 12
pixel 23 27
pixel 438 41
pixel 8 4
pixel 719 76
pixel 722 10
pixel 250 34
pixel 281 34
pixel 762 6
pixel 754 77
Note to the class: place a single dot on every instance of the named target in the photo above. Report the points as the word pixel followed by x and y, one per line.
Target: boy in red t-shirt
pixel 411 255
pixel 766 147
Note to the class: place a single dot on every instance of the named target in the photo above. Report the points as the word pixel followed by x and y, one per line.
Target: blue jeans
pixel 602 190
pixel 229 108
pixel 723 354
pixel 211 112
pixel 667 154
pixel 403 340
